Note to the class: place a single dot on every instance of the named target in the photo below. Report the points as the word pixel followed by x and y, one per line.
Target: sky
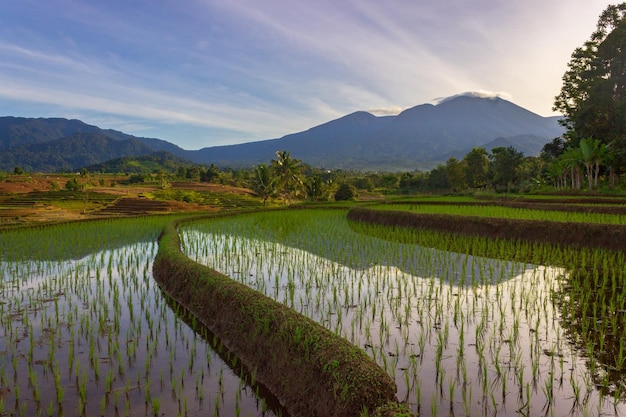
pixel 202 73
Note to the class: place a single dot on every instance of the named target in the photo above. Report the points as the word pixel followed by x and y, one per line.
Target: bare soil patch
pixel 40 198
pixel 215 188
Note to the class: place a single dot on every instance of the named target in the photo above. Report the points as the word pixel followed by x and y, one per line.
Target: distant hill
pixel 145 164
pixel 49 145
pixel 418 138
pixel 71 152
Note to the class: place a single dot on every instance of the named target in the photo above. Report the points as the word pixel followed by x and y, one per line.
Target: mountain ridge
pixel 418 138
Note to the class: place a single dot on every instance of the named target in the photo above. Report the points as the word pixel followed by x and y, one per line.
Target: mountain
pixel 143 164
pixel 71 152
pixel 18 132
pixel 58 144
pixel 417 138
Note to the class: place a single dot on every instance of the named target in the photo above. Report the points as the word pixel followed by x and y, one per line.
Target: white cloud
pixel 259 70
pixel 478 93
pixel 386 111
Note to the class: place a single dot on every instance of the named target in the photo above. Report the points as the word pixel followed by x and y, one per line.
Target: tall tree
pixel 264 182
pixel 476 168
pixel 316 189
pixel 456 174
pixel 288 171
pixel 552 150
pixel 504 167
pixel 592 154
pixel 211 174
pixel 571 160
pixel 593 95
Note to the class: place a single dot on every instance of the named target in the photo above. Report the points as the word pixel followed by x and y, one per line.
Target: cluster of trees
pixel 502 169
pixel 593 102
pixel 285 178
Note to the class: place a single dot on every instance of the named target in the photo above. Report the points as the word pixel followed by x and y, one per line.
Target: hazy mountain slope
pixel 144 164
pixel 71 153
pixel 316 146
pixel 418 138
pixel 20 131
pixel 530 145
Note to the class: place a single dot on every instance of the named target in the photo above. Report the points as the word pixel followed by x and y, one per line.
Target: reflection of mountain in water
pixel 329 236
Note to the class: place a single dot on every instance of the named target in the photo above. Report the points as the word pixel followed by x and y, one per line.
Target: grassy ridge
pixel 583 214
pixel 592 301
pixel 572 234
pixel 312 370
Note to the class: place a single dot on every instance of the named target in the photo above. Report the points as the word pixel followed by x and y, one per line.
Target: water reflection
pixel 95 336
pixel 461 335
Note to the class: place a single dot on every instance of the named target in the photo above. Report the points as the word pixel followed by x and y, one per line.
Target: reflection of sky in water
pixel 108 305
pixel 470 334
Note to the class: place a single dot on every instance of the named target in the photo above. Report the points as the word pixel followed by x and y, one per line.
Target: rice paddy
pixel 481 331
pixel 85 331
pixel 507 212
pixel 461 334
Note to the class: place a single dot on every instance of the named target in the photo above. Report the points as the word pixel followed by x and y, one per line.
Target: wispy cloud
pixel 219 71
pixel 478 93
pixel 386 111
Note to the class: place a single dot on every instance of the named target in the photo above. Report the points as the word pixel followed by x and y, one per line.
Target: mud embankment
pixel 607 236
pixel 312 371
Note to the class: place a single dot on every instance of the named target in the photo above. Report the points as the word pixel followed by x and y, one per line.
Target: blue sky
pixel 202 73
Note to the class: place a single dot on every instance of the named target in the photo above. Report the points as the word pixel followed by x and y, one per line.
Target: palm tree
pixel 557 171
pixel 316 189
pixel 264 183
pixel 592 154
pixel 288 172
pixel 571 159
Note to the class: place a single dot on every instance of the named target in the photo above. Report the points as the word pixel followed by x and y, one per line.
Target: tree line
pixel 503 169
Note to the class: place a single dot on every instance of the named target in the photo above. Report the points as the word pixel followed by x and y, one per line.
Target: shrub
pixel 345 192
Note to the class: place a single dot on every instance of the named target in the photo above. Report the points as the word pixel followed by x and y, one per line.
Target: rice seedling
pixel 83 323
pixel 508 212
pixel 461 312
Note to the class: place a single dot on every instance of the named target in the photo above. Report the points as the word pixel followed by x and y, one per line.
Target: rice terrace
pixel 461 257
pixel 392 306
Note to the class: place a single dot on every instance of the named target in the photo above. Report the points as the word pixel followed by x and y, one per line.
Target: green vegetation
pixel 506 213
pixel 75 240
pixel 86 332
pixel 218 199
pixel 144 164
pixel 593 100
pixel 480 331
pixel 291 353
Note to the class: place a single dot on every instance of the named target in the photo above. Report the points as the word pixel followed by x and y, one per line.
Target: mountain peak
pixel 480 94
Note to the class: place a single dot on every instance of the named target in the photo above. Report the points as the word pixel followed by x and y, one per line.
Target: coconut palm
pixel 592 154
pixel 571 159
pixel 264 182
pixel 288 173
